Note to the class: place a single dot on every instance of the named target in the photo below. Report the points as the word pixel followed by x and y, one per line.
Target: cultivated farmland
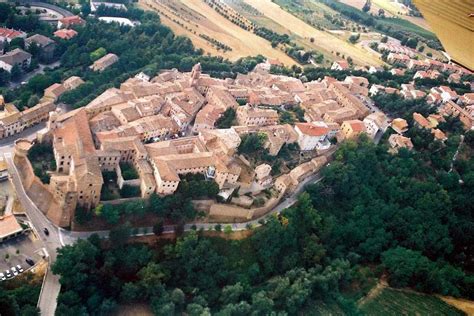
pixel 391 9
pixel 390 301
pixel 324 42
pixel 210 31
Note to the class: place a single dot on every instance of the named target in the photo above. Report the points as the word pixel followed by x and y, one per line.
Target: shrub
pixel 129 191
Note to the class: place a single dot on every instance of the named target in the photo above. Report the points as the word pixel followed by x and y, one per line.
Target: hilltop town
pixel 164 128
pixel 140 171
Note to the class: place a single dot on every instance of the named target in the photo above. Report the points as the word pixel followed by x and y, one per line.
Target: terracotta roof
pixel 396 140
pixel 421 120
pixel 65 34
pixel 356 125
pixel 104 62
pixel 10 33
pixel 312 129
pixel 438 134
pixel 9 226
pixel 56 90
pixel 74 136
pixel 343 64
pixel 72 20
pixel 72 82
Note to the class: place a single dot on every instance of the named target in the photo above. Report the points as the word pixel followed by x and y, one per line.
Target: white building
pixel 312 135
pixel 374 123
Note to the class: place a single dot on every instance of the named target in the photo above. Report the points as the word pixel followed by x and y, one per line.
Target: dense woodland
pixel 19 296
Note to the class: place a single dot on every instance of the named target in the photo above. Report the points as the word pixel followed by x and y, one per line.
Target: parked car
pixel 19 268
pixel 14 271
pixel 46 231
pixel 30 261
pixel 8 273
pixel 2 277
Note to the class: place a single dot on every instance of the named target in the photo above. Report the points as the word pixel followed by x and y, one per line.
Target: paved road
pixel 27 76
pixel 7 144
pixel 455 156
pixel 51 287
pixel 50 6
pixel 69 237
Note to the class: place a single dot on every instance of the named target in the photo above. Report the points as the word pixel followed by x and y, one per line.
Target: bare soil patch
pixel 461 304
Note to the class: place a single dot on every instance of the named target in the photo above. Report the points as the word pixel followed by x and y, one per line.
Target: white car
pixel 19 268
pixel 14 271
pixel 2 277
pixel 8 274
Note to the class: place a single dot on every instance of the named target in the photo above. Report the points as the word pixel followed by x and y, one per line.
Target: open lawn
pixel 389 301
pixel 324 42
pixel 193 17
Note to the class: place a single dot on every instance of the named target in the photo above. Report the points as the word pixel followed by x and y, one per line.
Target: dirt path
pixel 324 41
pixel 461 304
pixel 376 290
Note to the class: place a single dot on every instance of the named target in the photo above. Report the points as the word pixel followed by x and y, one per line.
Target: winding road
pixel 51 286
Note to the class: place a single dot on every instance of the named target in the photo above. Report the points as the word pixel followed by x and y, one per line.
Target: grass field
pixel 193 17
pixel 409 26
pixel 323 41
pixel 397 302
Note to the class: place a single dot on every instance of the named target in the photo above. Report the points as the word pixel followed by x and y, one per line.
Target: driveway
pixel 26 77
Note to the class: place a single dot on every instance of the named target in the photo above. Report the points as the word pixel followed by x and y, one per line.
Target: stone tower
pixel 22 146
pixel 195 73
pixel 52 121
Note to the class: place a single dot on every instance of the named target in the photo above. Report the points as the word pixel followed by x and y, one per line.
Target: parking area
pixel 16 250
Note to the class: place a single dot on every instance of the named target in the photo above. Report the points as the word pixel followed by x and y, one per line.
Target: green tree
pixel 252 143
pixel 406 267
pixel 16 73
pixel 110 213
pixel 33 100
pixel 227 229
pixel 231 293
pixel 158 228
pixel 119 236
pixel 227 119
pixel 17 42
pixel 98 53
